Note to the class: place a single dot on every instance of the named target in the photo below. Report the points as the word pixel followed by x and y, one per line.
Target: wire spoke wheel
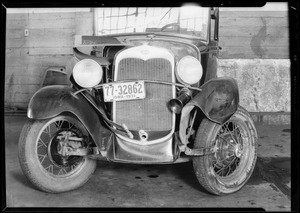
pixel 235 142
pixel 47 148
pixel 41 154
pixel 231 147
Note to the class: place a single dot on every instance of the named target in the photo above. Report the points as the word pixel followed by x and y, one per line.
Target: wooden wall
pixel 49 43
pixel 254 34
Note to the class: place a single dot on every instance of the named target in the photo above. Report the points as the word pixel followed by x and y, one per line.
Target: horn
pixel 176 104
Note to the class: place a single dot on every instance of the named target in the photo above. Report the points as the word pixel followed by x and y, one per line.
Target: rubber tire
pixel 205 135
pixel 32 168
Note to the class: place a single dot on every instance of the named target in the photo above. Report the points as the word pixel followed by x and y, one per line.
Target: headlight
pixel 87 73
pixel 189 70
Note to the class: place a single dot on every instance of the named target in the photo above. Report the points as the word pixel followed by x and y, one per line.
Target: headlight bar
pixel 147 81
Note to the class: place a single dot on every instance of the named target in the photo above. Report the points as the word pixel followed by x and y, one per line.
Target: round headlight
pixel 189 70
pixel 87 73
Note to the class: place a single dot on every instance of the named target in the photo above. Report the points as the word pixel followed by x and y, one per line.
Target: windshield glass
pixel 186 20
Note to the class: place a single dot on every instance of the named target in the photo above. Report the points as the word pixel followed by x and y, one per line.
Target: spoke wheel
pixel 235 143
pixel 47 148
pixel 41 161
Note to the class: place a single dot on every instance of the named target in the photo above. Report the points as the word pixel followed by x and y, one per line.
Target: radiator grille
pixel 150 113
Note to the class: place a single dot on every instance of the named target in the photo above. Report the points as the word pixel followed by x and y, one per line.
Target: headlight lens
pixel 189 70
pixel 87 73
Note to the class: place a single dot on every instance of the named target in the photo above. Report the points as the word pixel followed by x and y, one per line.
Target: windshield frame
pixel 205 22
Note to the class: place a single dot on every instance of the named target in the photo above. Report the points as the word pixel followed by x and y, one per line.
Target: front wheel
pixel 235 145
pixel 41 161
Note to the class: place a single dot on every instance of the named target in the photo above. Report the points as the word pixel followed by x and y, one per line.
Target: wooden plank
pixel 43 38
pixel 21 93
pixel 249 14
pixel 16 57
pixel 251 31
pixel 16 42
pixel 47 10
pixel 17 23
pixel 18 97
pixel 253 22
pixel 237 52
pixel 51 51
pixel 52 23
pixel 17 16
pixel 18 105
pixel 14 33
pixel 54 60
pixel 51 16
pixel 24 74
pixel 15 51
pixel 22 88
pixel 51 37
pixel 268 41
pixel 27 62
pixel 19 78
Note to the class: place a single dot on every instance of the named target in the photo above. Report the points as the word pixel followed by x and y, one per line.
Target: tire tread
pixel 204 132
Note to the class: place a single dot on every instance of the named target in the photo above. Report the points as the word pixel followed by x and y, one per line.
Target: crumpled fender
pixel 218 100
pixel 52 100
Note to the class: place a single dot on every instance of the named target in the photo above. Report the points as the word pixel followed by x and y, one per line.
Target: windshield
pixel 186 20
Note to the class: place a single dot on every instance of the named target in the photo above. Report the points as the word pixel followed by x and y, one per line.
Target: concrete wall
pixel 264 84
pixel 255 51
pixel 49 43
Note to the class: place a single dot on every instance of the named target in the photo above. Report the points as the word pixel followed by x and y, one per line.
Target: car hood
pixel 180 46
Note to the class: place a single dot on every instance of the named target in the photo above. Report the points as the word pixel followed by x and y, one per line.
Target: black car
pixel 148 93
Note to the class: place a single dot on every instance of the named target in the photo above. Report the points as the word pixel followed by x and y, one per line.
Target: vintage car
pixel 146 95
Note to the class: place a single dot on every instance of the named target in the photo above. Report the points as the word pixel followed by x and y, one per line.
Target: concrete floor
pixel 124 185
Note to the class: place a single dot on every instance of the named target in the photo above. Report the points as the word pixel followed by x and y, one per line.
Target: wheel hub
pixel 59 147
pixel 238 150
pixel 228 151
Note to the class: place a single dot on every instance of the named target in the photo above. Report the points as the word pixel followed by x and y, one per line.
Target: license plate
pixel 124 91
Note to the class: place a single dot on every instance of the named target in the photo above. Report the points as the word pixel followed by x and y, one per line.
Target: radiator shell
pixel 150 114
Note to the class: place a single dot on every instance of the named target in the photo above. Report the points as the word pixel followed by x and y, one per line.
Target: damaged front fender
pixel 218 100
pixel 53 100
